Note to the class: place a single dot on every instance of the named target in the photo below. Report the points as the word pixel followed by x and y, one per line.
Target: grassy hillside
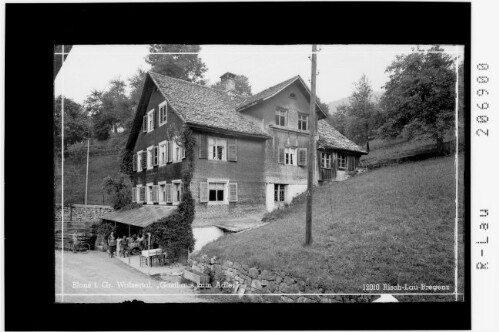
pixel 391 225
pixel 104 160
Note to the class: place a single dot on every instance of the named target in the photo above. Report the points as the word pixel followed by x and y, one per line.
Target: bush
pixel 174 233
pixel 119 190
pixel 103 232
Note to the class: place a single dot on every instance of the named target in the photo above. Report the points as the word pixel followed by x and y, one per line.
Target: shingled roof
pixel 330 138
pixel 204 106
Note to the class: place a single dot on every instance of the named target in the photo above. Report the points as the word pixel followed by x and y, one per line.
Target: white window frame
pixel 149 189
pixel 225 182
pixel 281 112
pixel 150 121
pixel 342 161
pixel 150 156
pixel 290 156
pixel 326 158
pixel 162 108
pixel 160 192
pixel 285 189
pixel 301 120
pixel 163 148
pixel 139 161
pixel 176 183
pixel 216 142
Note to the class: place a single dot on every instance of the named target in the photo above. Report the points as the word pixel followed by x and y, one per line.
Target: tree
pixel 188 67
pixel 242 86
pixel 119 189
pixel 75 123
pixel 419 97
pixel 359 119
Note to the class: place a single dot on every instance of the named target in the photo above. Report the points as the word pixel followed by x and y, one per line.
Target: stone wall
pixel 242 279
pixel 78 212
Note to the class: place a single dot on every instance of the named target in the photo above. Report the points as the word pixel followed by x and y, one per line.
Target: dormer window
pixel 162 113
pixel 150 121
pixel 281 115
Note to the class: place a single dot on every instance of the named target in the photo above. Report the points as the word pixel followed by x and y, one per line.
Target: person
pixel 75 241
pixel 140 240
pixel 124 246
pixel 111 241
pixel 119 246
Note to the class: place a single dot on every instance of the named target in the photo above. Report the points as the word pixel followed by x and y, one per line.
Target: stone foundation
pixel 78 212
pixel 264 285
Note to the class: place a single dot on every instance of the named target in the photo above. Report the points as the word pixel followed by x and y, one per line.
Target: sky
pixel 89 67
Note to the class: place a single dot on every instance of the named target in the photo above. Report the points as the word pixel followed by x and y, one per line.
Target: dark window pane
pixel 220 195
pixel 213 195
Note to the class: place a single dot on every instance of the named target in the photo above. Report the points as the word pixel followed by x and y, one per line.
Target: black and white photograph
pixel 303 173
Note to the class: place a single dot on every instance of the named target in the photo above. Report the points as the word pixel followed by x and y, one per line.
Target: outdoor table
pixel 150 254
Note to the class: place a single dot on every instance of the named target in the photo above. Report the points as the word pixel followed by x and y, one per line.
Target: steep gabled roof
pixel 330 138
pixel 272 91
pixel 206 107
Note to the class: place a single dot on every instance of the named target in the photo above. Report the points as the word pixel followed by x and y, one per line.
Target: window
pixel 142 194
pixel 325 160
pixel 176 191
pixel 162 153
pixel 139 161
pixel 217 148
pixel 162 113
pixel 279 192
pixel 162 192
pixel 280 116
pixel 302 122
pixel 150 121
pixel 150 157
pixel 342 161
pixel 177 151
pixel 134 194
pixel 152 193
pixel 216 192
pixel 290 156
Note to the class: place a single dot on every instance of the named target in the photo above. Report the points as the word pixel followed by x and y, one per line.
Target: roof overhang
pixel 225 131
pixel 298 78
pixel 141 217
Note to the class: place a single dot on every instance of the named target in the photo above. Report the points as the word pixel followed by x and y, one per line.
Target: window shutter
pixel 155 156
pixel 232 149
pixel 280 155
pixel 173 193
pixel 144 159
pixel 302 156
pixel 134 162
pixel 170 151
pixel 203 146
pixel 144 123
pixel 203 191
pixel 142 194
pixel 232 192
pixel 183 153
pixel 154 194
pixel 168 190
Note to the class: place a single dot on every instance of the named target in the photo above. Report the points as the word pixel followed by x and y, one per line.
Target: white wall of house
pixel 292 190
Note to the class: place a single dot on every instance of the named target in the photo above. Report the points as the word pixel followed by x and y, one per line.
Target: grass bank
pixel 393 225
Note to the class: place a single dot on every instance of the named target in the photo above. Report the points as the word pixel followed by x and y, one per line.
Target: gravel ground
pixel 94 277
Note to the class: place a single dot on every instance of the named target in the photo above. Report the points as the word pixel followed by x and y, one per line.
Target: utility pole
pixel 311 151
pixel 86 177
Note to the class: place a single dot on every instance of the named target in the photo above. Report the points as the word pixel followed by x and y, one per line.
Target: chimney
pixel 228 82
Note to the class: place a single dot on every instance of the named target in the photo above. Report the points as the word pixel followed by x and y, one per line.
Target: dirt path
pixel 94 277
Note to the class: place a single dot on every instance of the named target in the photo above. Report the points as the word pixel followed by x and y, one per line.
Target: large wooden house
pixel 250 153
